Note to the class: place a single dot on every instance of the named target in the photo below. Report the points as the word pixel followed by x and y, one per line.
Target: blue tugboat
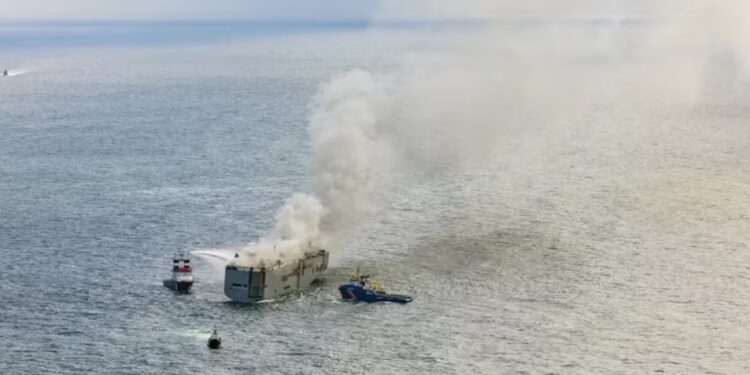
pixel 367 289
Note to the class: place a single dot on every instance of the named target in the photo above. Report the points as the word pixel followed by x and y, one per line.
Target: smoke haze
pixel 527 66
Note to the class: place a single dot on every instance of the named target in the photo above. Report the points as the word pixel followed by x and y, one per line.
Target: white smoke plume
pixel 529 64
pixel 343 146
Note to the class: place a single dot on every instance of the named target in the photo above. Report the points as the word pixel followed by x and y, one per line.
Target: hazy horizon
pixel 316 10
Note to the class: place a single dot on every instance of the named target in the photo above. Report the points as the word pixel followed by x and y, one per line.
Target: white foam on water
pixel 17 72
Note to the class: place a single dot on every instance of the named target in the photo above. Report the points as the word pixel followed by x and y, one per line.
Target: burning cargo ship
pixel 252 284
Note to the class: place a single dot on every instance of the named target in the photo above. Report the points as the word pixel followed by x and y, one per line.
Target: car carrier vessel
pixel 252 284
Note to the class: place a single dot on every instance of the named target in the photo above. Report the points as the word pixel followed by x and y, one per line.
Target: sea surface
pixel 616 246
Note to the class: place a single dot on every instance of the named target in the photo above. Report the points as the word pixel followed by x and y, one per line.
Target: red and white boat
pixel 182 273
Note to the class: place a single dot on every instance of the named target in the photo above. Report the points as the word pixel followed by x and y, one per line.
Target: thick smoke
pixel 342 128
pixel 524 66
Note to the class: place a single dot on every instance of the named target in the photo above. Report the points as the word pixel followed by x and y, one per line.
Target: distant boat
pixel 182 273
pixel 5 73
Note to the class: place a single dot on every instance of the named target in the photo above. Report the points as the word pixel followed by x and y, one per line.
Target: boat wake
pixel 198 334
pixel 17 72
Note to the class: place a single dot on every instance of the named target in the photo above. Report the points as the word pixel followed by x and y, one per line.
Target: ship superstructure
pixel 252 284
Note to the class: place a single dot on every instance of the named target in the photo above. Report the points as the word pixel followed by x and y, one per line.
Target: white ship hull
pixel 255 284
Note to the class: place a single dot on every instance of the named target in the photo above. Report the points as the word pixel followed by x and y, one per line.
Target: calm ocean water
pixel 619 245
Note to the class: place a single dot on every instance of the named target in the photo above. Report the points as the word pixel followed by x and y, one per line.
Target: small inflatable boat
pixel 214 342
